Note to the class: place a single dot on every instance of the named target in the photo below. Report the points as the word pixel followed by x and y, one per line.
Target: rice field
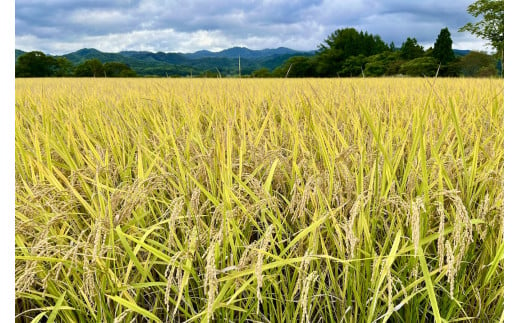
pixel 259 200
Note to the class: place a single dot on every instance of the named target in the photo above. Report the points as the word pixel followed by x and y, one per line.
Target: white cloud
pixel 60 26
pixel 168 40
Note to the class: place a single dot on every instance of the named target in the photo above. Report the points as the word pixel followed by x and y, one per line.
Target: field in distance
pixel 281 200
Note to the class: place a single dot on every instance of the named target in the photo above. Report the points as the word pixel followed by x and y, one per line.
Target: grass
pixel 311 200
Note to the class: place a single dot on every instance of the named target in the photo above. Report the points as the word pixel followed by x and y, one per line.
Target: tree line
pixel 37 64
pixel 351 53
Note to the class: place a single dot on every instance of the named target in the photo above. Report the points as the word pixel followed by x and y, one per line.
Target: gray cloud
pixel 59 26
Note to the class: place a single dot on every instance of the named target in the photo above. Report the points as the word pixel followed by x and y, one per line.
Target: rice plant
pixel 236 200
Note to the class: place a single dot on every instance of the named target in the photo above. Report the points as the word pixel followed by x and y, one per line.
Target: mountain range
pixel 224 62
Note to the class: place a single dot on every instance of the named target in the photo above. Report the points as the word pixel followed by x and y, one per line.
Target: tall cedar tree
pixel 442 50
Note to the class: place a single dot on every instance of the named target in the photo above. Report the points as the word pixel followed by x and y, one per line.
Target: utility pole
pixel 239 75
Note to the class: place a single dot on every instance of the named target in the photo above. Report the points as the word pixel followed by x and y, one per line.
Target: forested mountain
pixel 224 62
pixel 244 52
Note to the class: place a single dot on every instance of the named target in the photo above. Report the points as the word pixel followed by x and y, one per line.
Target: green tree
pixel 410 49
pixel 345 43
pixel 353 66
pixel 491 27
pixel 90 67
pixel 477 64
pixel 118 69
pixel 422 66
pixel 209 74
pixel 382 64
pixel 35 64
pixel 64 67
pixel 452 69
pixel 296 66
pixel 442 50
pixel 376 68
pixel 394 67
pixel 262 72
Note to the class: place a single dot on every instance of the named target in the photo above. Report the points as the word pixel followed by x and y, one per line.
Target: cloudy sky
pixel 62 26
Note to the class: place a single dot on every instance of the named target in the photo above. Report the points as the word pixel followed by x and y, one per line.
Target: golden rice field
pixel 259 200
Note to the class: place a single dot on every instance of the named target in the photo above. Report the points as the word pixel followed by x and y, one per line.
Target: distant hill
pixel 91 53
pixel 244 52
pixel 461 52
pixel 182 64
pixel 18 53
pixel 224 62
